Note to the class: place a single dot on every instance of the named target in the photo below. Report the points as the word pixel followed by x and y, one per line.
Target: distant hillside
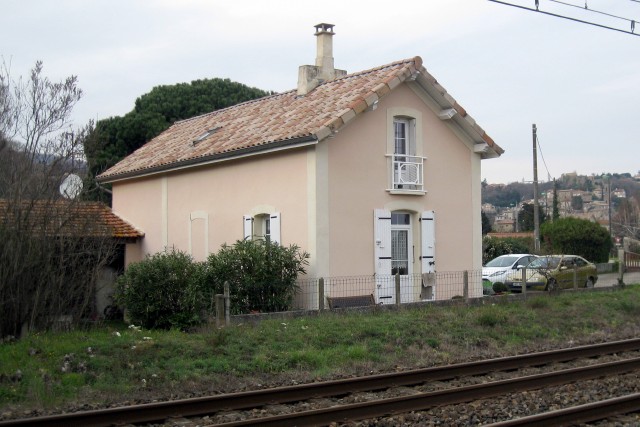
pixel 506 195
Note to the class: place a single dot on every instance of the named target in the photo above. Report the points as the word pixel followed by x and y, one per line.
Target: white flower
pixel 116 333
pixel 146 338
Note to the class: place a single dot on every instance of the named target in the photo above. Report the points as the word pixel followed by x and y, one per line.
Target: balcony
pixel 407 174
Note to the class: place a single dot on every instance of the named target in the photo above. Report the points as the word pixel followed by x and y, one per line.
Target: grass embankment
pixel 112 362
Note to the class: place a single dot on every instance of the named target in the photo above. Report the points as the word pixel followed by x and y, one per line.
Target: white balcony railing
pixel 407 172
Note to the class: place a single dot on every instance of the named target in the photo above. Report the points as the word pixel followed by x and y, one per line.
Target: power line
pixel 541 155
pixel 574 19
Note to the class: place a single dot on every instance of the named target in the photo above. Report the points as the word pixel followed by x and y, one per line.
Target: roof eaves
pixel 213 158
pixel 462 118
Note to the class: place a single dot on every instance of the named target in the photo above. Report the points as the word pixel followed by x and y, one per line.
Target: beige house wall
pixel 359 179
pixel 197 210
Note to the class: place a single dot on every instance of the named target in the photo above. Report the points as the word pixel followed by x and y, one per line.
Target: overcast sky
pixel 509 68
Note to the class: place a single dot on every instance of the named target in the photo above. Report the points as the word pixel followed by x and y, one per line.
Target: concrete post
pixel 621 267
pixel 227 304
pixel 524 282
pixel 219 298
pixel 465 281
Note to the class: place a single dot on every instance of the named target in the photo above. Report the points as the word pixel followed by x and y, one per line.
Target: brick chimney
pixel 310 76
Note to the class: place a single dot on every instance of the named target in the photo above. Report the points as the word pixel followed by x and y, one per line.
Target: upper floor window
pixel 404 137
pixel 407 167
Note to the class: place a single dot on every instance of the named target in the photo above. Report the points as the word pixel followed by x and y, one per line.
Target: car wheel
pixel 552 285
pixel 589 283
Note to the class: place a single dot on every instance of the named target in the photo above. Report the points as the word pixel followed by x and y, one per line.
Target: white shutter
pixel 248 227
pixel 275 227
pixel 428 244
pixel 382 241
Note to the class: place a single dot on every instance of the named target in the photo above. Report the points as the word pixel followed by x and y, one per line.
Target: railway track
pixel 377 407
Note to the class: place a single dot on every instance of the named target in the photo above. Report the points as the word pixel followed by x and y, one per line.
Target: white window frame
pixel 263 226
pixel 406 169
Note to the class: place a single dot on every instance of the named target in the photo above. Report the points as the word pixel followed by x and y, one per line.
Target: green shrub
pixel 577 236
pixel 493 247
pixel 163 291
pixel 500 287
pixel 261 275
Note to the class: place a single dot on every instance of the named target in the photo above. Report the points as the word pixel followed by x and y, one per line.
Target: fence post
pixel 219 310
pixel 575 277
pixel 524 282
pixel 321 293
pixel 227 304
pixel 465 281
pixel 398 297
pixel 621 267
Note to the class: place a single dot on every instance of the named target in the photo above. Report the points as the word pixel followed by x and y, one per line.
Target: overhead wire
pixel 542 156
pixel 537 9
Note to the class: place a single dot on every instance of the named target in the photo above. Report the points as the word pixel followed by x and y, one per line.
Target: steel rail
pixel 424 401
pixel 578 414
pixel 202 405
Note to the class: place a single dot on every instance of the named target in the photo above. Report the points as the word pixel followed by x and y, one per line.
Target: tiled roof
pixel 68 218
pixel 279 120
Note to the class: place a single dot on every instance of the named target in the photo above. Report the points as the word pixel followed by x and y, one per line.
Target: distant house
pixel 374 172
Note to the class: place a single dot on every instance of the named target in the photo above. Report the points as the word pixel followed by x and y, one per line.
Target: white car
pixel 500 268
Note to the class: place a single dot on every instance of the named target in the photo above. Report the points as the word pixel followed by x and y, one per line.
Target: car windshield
pixel 502 261
pixel 548 262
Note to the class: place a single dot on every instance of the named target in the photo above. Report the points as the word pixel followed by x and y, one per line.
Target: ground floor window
pixel 264 226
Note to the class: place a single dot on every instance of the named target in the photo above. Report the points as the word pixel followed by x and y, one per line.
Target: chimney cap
pixel 324 28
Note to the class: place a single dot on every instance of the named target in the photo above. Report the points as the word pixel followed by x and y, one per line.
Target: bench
pixel 353 301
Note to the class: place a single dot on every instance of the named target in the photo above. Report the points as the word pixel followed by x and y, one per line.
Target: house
pixel 361 170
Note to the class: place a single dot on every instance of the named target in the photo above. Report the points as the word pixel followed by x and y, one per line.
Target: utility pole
pixel 536 214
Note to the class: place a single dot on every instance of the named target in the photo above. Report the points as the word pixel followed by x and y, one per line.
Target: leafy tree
pixel 577 204
pixel 116 137
pixel 525 217
pixel 577 237
pixel 486 224
pixel 163 291
pixel 50 253
pixel 261 274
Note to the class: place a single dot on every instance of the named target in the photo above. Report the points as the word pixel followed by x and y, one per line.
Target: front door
pixel 402 252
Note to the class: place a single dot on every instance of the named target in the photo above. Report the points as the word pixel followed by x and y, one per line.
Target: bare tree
pixel 52 247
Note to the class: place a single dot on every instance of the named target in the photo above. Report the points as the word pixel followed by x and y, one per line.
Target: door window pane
pixel 399 252
pixel 400 218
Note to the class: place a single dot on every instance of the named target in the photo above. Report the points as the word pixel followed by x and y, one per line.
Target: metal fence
pixel 355 291
pixel 329 292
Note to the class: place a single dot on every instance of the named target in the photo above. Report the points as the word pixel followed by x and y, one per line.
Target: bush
pixel 499 287
pixel 493 247
pixel 262 275
pixel 163 291
pixel 577 237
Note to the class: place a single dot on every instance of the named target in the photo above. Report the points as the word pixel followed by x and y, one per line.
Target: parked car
pixel 499 269
pixel 551 272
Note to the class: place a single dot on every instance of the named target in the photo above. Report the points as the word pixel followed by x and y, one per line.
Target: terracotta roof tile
pixel 66 218
pixel 278 119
